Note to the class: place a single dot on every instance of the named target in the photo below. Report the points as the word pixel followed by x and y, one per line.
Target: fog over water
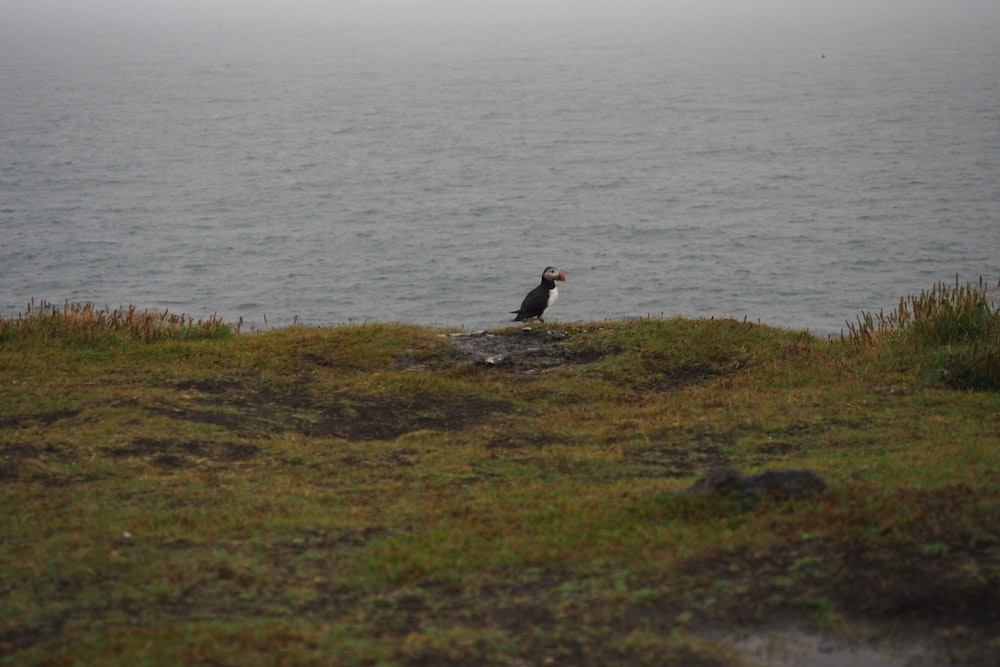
pixel 135 12
pixel 349 161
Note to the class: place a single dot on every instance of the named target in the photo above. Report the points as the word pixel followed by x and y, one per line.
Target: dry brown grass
pixel 90 323
pixel 941 315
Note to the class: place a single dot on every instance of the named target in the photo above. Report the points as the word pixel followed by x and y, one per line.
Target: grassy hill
pixel 181 492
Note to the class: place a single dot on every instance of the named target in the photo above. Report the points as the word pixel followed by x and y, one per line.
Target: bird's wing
pixel 536 300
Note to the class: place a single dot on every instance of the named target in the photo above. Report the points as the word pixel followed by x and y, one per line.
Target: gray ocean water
pixel 793 175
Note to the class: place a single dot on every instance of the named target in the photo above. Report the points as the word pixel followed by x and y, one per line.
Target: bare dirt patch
pixel 175 454
pixel 683 376
pixel 26 452
pixel 371 418
pixel 44 418
pixel 15 457
pixel 251 409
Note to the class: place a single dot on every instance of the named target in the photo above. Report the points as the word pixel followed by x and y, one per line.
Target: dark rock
pixel 719 480
pixel 524 349
pixel 775 484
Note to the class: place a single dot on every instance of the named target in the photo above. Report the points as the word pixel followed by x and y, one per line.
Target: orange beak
pixel 562 276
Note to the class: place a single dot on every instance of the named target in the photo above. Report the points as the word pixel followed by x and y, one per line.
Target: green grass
pixel 184 492
pixel 954 328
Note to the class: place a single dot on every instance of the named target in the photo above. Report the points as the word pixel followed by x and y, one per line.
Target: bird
pixel 539 300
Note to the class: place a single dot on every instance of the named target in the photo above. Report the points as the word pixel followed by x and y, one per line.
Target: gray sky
pixel 123 12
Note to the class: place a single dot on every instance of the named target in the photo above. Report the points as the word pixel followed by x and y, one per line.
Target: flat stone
pixel 526 349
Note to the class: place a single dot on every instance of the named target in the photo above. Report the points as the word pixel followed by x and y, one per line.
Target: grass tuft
pixel 946 314
pixel 88 324
pixel 953 329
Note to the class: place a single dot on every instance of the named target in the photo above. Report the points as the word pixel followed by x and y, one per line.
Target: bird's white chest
pixel 553 295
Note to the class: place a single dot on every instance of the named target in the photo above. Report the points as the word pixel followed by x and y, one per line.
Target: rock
pixel 719 480
pixel 526 349
pixel 775 484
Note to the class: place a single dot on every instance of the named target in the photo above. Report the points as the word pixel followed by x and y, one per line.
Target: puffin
pixel 540 299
